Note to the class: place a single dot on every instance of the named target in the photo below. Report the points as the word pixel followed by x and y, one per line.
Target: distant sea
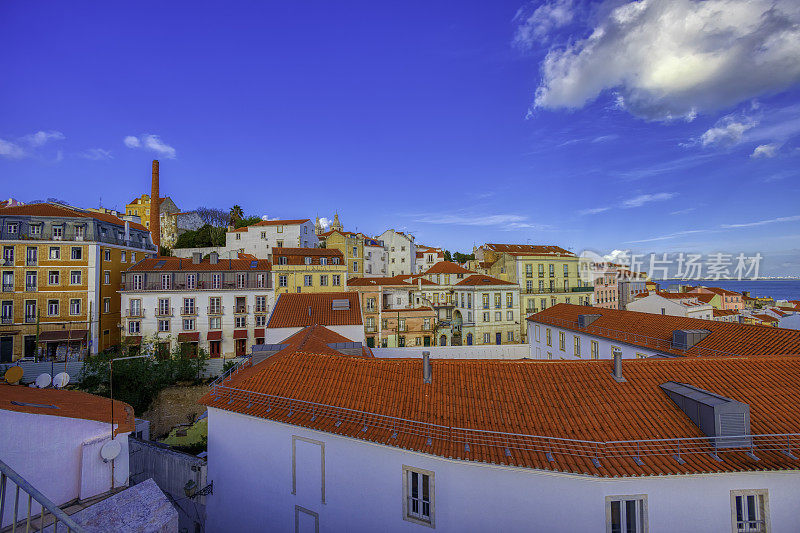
pixel 779 289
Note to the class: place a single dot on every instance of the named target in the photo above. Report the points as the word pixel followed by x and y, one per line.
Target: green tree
pixel 463 258
pixel 447 255
pixel 207 235
pixel 247 221
pixel 236 214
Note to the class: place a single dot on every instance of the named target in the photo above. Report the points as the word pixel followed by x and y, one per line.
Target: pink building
pixel 606 290
pixel 729 300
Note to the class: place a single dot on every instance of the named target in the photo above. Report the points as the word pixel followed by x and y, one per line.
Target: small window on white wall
pixel 750 511
pixel 418 492
pixel 626 514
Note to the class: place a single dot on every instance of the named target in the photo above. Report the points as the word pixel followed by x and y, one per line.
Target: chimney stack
pixel 155 200
pixel 426 367
pixel 617 353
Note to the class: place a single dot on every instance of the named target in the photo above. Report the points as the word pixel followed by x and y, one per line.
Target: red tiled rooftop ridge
pixel 172 264
pixel 55 210
pixel 530 249
pixel 292 310
pixel 447 267
pixel 482 279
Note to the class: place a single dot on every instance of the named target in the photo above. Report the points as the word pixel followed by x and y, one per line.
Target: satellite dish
pixel 43 380
pixel 60 380
pixel 14 374
pixel 110 450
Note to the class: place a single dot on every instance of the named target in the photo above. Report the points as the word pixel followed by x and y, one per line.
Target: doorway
pixel 6 349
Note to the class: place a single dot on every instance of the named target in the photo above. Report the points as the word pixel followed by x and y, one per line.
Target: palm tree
pixel 236 214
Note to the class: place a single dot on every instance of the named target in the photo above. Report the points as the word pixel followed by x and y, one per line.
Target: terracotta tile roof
pixel 764 318
pixel 725 312
pixel 297 256
pixel 249 257
pixel 69 403
pixel 274 223
pixel 55 210
pixel 654 331
pixel 562 400
pixel 705 298
pixel 292 310
pixel 530 249
pixel 415 279
pixel 173 264
pixel 447 267
pixel 379 282
pixel 315 339
pixel 482 279
pixel 678 296
pixel 717 290
pixel 778 311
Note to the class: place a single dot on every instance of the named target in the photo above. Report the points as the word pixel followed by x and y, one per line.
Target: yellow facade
pixel 140 207
pixel 309 278
pixel 352 247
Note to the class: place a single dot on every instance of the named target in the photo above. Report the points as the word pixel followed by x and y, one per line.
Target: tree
pixel 463 258
pixel 205 236
pixel 447 255
pixel 236 214
pixel 213 216
pixel 247 221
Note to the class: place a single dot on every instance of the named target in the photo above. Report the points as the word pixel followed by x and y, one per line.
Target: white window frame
pixel 408 514
pixel 643 526
pixel 163 325
pixel 762 511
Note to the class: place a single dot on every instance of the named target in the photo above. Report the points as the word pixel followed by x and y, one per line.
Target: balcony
pixel 134 313
pixel 8 287
pixel 31 261
pixel 427 328
pixel 30 288
pixel 30 319
pixel 582 289
pixel 188 311
pixel 164 312
pixel 546 290
pixel 370 329
pixel 216 310
pixel 6 320
pixel 200 285
pixel 241 309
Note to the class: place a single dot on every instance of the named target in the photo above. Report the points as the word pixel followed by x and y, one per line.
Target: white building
pixel 308 441
pixel 53 438
pixel 574 332
pixel 673 304
pixel 427 257
pixel 219 305
pixel 260 238
pixel 486 311
pixel 340 312
pixel 402 253
pixel 376 258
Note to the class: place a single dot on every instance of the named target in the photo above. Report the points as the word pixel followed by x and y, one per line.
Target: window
pixel 238 237
pixel 241 281
pixel 283 260
pixel 261 321
pixel 566 270
pixel 335 260
pixel 215 322
pixel 485 300
pixel 261 281
pixel 52 307
pixel 75 306
pixel 134 326
pixel 216 281
pixel 750 511
pixel 53 277
pixel 418 501
pixel 323 280
pixel 188 306
pixel 279 229
pixel 562 341
pixel 279 244
pixel 191 281
pixel 58 232
pixel 240 321
pixel 215 305
pixel 12 228
pixel 166 281
pixel 509 315
pixel 163 325
pixel 355 251
pixel 123 256
pixel 336 279
pixel 76 253
pixel 188 324
pixel 548 334
pixel 107 277
pixel 498 316
pixel 106 305
pixel 307 280
pixel 510 336
pixel 133 257
pixel 626 514
pixel 355 266
pixel 75 277
pixel 576 342
pixel 595 350
pixel 486 317
pixel 487 338
pixel 55 252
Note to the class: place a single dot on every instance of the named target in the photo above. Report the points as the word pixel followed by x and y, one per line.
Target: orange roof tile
pixel 515 400
pixel 69 404
pixel 274 223
pixel 725 312
pixel 482 279
pixel 297 256
pixel 764 318
pixel 55 210
pixel 307 309
pixel 378 282
pixel 654 331
pixel 530 249
pixel 172 264
pixel 447 267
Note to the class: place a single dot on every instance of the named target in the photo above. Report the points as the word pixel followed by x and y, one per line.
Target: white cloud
pixel 267 217
pixel 673 59
pixel 11 150
pixel 638 201
pixel 536 24
pixel 26 145
pixel 683 211
pixel 325 222
pixel 671 236
pixel 40 138
pixel 765 150
pixel 96 154
pixel 462 219
pixel 727 131
pixel 793 218
pixel 150 142
pixel 593 210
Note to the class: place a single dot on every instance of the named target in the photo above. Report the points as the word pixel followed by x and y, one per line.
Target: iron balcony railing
pixel 165 312
pixel 218 310
pixel 191 311
pixel 508 443
pixel 8 287
pixel 7 320
pixel 30 319
pixel 31 288
pixel 30 494
pixel 31 262
pixel 135 313
pixel 200 285
pixel 241 309
pixel 547 290
pixel 370 329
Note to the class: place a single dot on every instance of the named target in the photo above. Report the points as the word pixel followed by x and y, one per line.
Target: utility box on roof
pixel 683 339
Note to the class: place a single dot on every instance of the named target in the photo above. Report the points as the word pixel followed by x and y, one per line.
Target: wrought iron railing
pixel 30 494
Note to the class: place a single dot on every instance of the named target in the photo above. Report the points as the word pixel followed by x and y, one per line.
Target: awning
pixel 134 340
pixel 240 334
pixel 214 336
pixel 259 332
pixel 63 335
pixel 189 337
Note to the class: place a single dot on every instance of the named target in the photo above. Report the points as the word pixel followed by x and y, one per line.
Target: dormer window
pixel 12 228
pixel 282 260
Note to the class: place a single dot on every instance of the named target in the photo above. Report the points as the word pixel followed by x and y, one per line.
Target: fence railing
pixel 508 443
pixel 200 285
pixel 30 494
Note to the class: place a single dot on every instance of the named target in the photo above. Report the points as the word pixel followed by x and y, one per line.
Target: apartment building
pixel 546 275
pixel 427 257
pixel 672 303
pixel 217 305
pixel 606 288
pixel 476 445
pixel 573 332
pixel 140 207
pixel 629 284
pixel 486 311
pixel 308 270
pixel 376 258
pixel 352 247
pixel 728 300
pixel 261 239
pixel 395 313
pixel 61 268
pixel 401 252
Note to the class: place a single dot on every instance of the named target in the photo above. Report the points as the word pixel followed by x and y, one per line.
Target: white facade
pixel 375 260
pixel 354 333
pixel 278 477
pixel 689 307
pixel 260 240
pixel 486 314
pixel 587 346
pixel 402 253
pixel 60 457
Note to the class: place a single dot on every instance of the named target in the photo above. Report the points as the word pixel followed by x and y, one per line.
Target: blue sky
pixel 596 126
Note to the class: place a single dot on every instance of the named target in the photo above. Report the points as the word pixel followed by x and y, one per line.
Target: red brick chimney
pixel 155 200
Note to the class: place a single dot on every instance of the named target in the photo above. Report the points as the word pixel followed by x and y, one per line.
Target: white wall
pixel 540 350
pixel 485 351
pixel 374 261
pixel 655 303
pixel 292 235
pixel 354 333
pixel 250 462
pixel 404 260
pixel 59 456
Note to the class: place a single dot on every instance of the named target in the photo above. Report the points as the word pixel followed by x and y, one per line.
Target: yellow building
pixel 546 275
pixel 308 270
pixel 140 207
pixel 61 271
pixel 352 247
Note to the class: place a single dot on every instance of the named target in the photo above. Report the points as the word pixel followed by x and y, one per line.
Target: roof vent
pixel 347 348
pixel 585 320
pixel 617 373
pixel 340 304
pixel 213 258
pixel 683 339
pixel 716 416
pixel 427 369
